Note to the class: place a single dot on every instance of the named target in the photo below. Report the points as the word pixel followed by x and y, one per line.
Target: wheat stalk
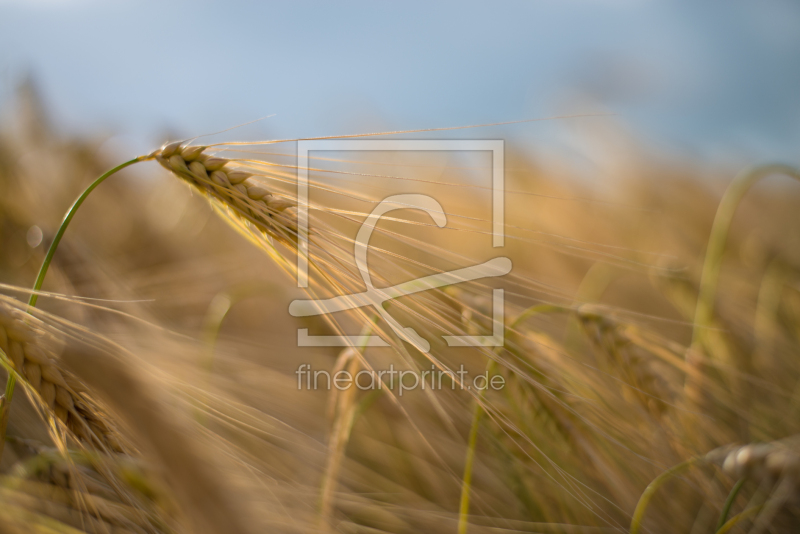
pixel 250 205
pixel 94 492
pixel 34 354
pixel 218 178
pixel 157 431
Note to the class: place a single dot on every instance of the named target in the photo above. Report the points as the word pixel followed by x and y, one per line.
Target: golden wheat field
pixel 551 323
pixel 647 380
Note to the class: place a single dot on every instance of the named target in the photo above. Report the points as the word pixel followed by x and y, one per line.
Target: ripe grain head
pixel 34 351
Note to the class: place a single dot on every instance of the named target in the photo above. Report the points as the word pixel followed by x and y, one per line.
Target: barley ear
pixel 11 382
pixel 249 202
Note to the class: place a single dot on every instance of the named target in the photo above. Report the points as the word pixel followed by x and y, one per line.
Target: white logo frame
pixel 497 267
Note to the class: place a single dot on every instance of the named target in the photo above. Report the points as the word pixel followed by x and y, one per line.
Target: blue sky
pixel 702 78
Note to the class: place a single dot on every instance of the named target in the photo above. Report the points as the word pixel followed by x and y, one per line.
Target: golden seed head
pixel 34 352
pixel 170 149
pixel 256 191
pixel 214 163
pixel 288 218
pixel 278 203
pixel 191 153
pixel 237 177
pixel 178 165
pixel 220 178
pixel 198 170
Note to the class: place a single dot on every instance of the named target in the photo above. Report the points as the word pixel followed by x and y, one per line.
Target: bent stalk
pixel 5 400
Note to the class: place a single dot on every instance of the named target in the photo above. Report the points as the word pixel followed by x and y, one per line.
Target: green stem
pixel 5 400
pixel 466 480
pixel 63 228
pixel 472 441
pixel 735 519
pixel 218 310
pixel 726 508
pixel 716 242
pixel 650 491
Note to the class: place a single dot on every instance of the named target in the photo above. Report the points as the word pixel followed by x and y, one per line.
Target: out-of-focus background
pixel 611 376
pixel 714 80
